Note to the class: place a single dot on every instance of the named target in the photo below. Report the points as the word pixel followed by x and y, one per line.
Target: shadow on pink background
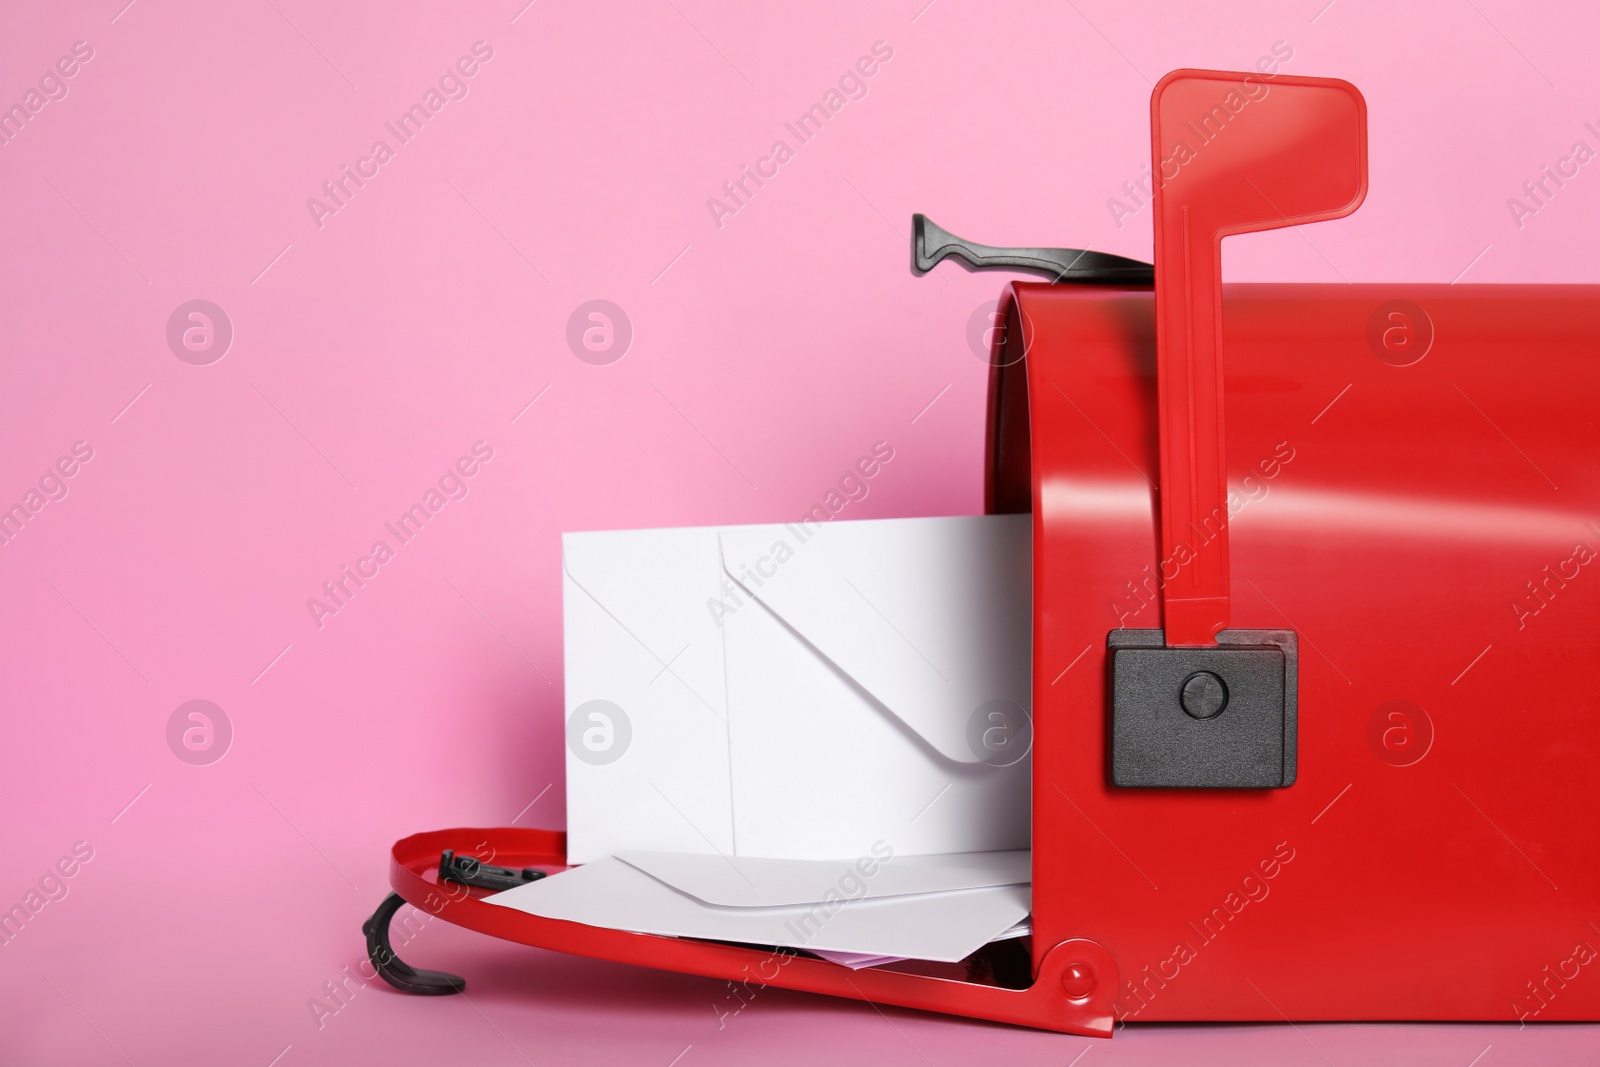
pixel 375 345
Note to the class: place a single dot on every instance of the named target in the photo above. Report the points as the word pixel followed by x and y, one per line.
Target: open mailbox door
pixel 1314 711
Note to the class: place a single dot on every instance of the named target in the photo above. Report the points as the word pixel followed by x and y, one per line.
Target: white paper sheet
pixel 934 926
pixel 857 960
pixel 744 881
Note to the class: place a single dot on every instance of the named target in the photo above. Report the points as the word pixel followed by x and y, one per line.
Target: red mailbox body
pixel 1405 491
pixel 1430 532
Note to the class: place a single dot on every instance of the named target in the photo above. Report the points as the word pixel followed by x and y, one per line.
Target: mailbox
pixel 1316 644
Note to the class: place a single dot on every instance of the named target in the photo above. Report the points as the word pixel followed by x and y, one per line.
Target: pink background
pixel 424 316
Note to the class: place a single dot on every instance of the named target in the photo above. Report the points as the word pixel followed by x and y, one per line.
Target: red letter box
pixel 1316 634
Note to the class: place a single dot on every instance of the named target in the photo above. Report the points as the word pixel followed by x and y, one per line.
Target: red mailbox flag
pixel 1232 153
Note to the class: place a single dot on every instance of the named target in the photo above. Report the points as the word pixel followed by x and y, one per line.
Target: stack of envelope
pixel 756 712
pixel 905 907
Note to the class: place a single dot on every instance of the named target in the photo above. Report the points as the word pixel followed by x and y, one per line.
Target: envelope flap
pixel 951 657
pixel 755 882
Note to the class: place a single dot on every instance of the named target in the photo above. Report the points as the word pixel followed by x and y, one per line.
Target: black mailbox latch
pixel 1203 718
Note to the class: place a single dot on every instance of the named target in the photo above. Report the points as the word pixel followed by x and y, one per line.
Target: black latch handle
pixel 932 243
pixel 469 871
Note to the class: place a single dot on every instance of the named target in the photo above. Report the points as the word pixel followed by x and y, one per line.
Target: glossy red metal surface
pixel 1414 483
pixel 1232 153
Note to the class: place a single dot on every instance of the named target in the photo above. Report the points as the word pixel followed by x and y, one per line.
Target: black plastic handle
pixel 392 968
pixel 469 871
pixel 932 243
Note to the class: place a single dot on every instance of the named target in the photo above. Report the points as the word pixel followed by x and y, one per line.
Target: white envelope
pixel 754 881
pixel 929 926
pixel 799 691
